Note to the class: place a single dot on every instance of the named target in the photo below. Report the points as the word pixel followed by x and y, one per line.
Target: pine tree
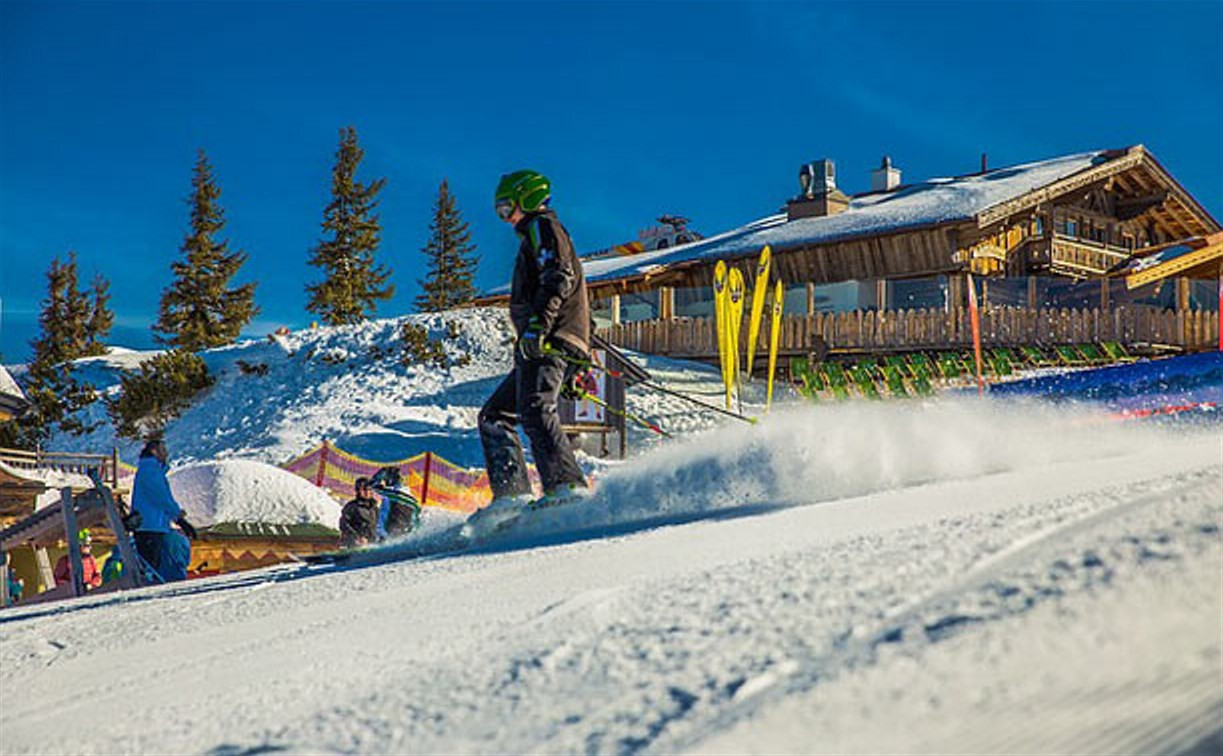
pixel 452 258
pixel 354 282
pixel 54 392
pixel 101 318
pixel 200 310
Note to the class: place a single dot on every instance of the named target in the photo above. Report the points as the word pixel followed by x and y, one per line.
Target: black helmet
pixel 389 476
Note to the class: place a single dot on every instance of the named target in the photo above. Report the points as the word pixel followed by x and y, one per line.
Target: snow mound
pixel 247 491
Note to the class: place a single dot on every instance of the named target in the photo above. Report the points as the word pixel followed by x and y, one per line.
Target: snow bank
pixel 246 491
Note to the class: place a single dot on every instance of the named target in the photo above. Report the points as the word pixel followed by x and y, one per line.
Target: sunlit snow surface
pixel 945 576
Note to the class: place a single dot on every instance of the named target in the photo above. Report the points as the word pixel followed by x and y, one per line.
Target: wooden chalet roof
pixel 970 202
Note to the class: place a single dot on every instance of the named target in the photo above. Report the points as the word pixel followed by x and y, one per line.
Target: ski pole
pixel 697 402
pixel 648 384
pixel 621 413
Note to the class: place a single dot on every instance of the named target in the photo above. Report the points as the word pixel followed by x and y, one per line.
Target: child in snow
pixel 551 315
pixel 359 518
pixel 89 566
pixel 167 551
pixel 400 512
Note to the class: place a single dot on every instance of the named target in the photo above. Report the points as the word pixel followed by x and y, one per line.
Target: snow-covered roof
pixel 12 401
pixel 937 200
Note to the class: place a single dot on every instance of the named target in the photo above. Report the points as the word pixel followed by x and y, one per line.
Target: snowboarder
pixel 167 551
pixel 551 316
pixel 359 518
pixel 89 565
pixel 400 512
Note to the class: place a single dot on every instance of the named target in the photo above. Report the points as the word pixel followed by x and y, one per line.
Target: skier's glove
pixel 577 386
pixel 187 528
pixel 531 344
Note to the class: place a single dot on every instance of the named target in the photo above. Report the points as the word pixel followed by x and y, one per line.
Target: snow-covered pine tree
pixel 354 281
pixel 101 317
pixel 452 258
pixel 55 393
pixel 200 310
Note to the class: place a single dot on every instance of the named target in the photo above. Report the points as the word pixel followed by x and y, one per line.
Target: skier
pixel 551 315
pixel 400 512
pixel 359 518
pixel 167 551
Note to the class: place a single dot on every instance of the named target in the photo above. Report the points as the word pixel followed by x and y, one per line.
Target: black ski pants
pixel 528 396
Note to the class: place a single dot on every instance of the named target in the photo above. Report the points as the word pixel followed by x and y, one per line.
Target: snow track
pixel 1060 593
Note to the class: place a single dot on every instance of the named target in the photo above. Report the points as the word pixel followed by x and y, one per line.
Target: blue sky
pixel 633 109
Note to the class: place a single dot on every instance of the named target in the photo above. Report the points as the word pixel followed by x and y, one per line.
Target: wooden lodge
pixel 1102 246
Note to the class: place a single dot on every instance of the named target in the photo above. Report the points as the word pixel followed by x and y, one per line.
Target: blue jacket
pixel 151 496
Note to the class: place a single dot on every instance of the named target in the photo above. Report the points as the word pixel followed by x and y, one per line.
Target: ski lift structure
pixel 670 231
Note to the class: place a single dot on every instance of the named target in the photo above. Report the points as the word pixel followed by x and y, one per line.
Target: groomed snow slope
pixel 941 577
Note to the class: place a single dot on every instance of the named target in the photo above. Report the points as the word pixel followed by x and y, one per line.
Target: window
pixel 1072 227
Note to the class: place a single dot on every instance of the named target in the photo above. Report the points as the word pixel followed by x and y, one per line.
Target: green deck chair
pixel 894 379
pixel 1036 357
pixel 1116 352
pixel 1069 356
pixel 863 378
pixel 834 376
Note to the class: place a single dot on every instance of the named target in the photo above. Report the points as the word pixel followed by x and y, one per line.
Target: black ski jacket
pixel 548 282
pixel 359 522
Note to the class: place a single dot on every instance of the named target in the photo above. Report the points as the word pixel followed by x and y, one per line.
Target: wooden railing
pixel 67 462
pixel 898 330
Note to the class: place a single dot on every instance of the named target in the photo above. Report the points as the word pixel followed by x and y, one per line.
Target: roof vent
pixel 885 178
pixel 819 194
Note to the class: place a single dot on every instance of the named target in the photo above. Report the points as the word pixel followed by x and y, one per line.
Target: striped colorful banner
pixel 433 480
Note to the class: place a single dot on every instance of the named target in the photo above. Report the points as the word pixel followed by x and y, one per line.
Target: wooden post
pixel 881 294
pixel 810 297
pixel 1032 292
pixel 322 466
pixel 68 510
pixel 45 573
pixel 114 467
pixel 615 309
pixel 4 597
pixel 1103 295
pixel 1183 288
pixel 133 575
pixel 666 303
pixel 424 486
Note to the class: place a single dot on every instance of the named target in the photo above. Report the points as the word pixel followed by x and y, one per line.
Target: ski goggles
pixel 504 208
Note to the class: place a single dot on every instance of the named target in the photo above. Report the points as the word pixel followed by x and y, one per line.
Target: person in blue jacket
pixel 166 550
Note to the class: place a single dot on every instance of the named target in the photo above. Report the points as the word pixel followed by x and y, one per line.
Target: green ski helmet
pixel 525 190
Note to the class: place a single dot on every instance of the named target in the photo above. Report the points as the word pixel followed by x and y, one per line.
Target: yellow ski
pixel 759 294
pixel 721 300
pixel 737 288
pixel 779 297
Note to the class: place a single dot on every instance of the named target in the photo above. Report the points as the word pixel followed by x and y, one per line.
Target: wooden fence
pixel 108 466
pixel 900 330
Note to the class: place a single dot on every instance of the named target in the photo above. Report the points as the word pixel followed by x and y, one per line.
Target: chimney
pixel 820 195
pixel 885 178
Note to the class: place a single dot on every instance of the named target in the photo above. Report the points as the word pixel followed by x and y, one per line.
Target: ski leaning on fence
pixel 779 296
pixel 729 293
pixel 737 289
pixel 721 306
pixel 760 293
